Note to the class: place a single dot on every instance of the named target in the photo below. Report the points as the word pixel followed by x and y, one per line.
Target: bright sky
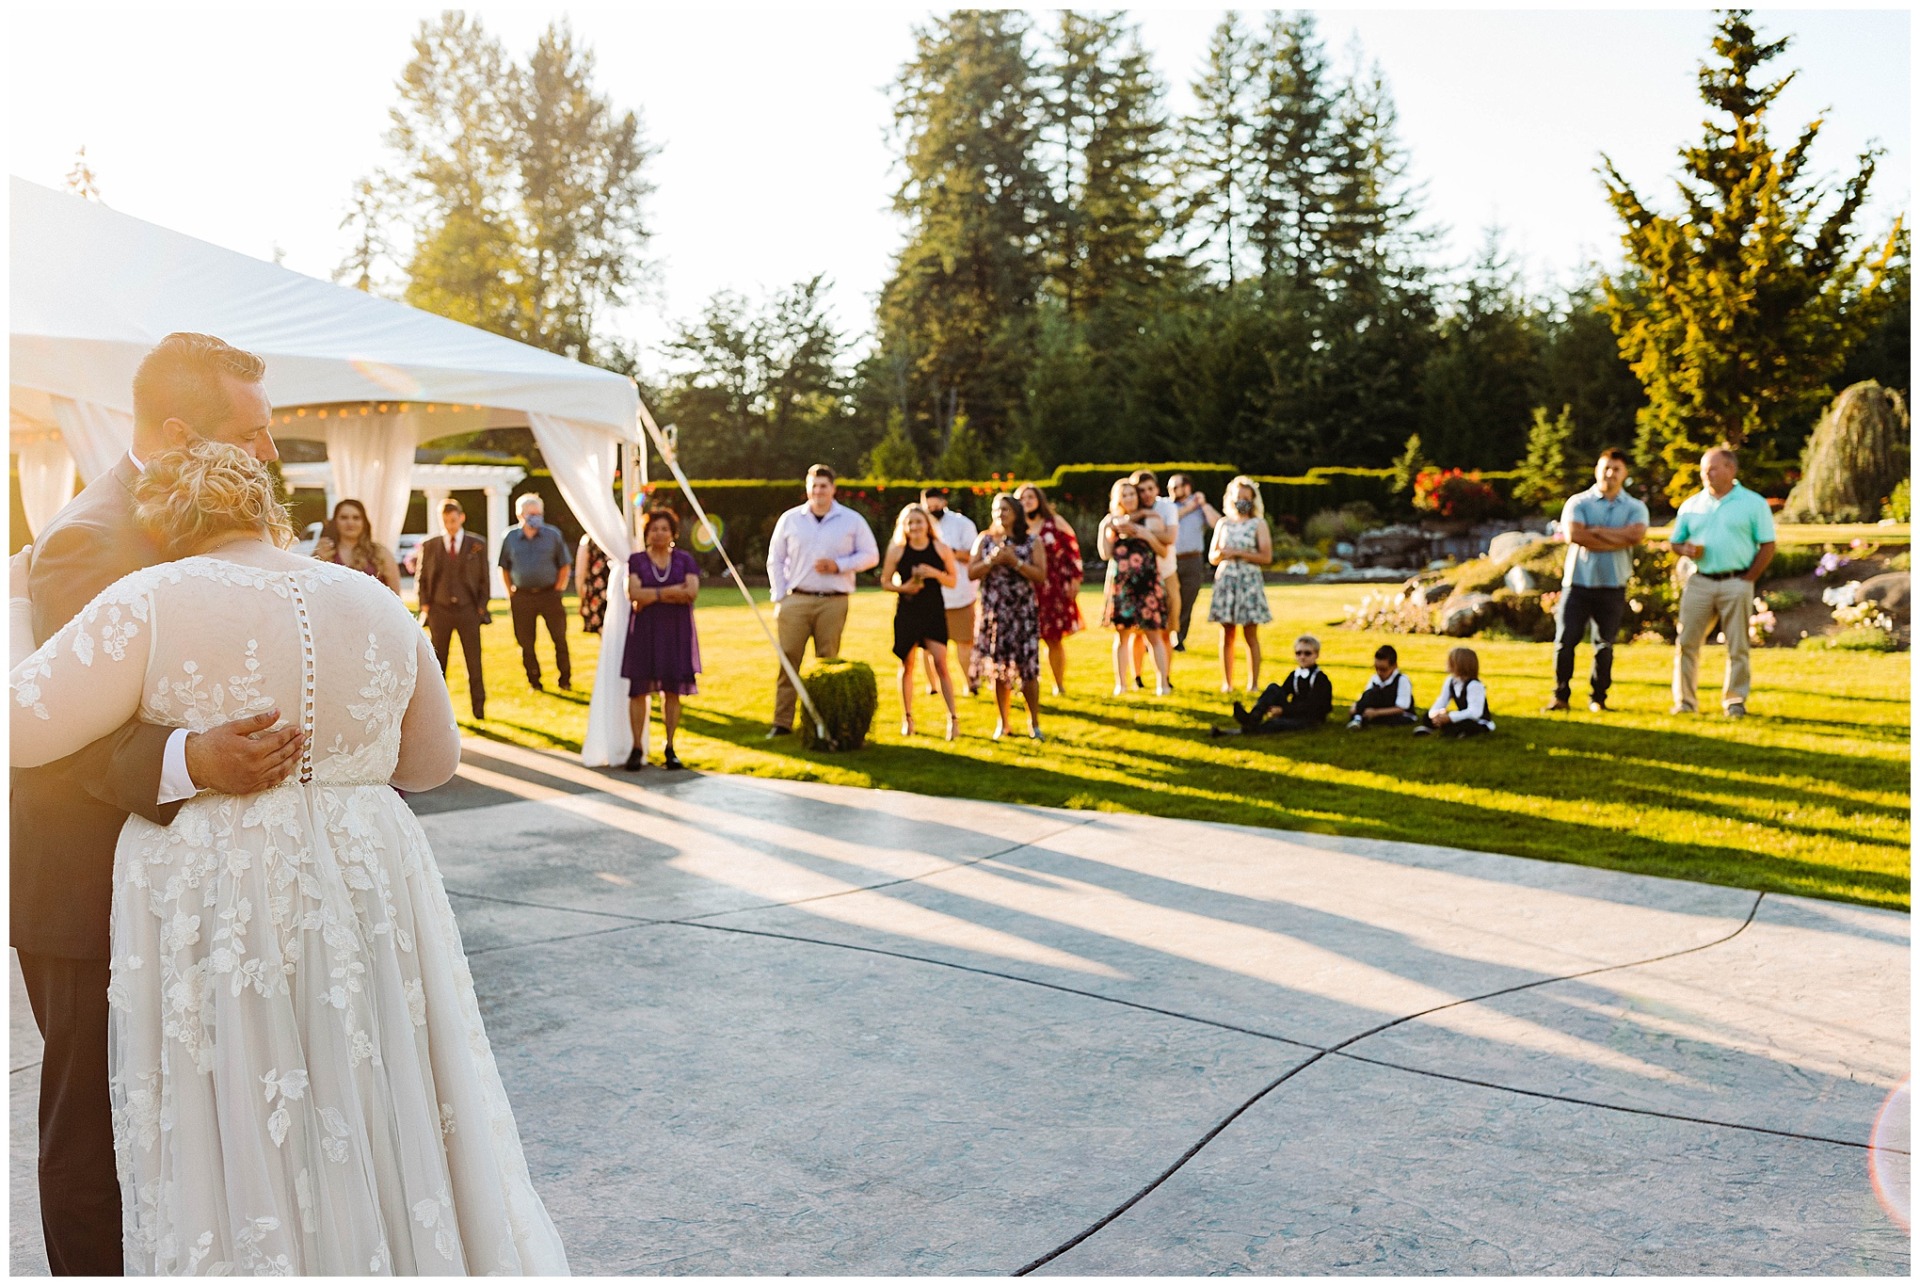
pixel 247 126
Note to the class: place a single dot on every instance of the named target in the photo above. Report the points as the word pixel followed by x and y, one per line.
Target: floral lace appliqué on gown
pixel 301 1082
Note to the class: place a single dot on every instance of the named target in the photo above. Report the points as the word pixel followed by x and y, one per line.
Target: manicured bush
pixel 1526 615
pixel 1791 561
pixel 1858 453
pixel 1899 505
pixel 1330 526
pixel 847 696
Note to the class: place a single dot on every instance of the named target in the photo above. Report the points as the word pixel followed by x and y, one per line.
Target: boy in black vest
pixel 1387 701
pixel 1303 701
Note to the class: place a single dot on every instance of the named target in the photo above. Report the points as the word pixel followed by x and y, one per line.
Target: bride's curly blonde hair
pixel 188 497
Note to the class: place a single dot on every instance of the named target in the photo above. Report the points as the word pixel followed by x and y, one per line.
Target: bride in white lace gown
pixel 300 1079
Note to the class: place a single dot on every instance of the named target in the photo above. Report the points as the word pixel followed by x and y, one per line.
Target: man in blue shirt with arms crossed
pixel 1601 524
pixel 1728 532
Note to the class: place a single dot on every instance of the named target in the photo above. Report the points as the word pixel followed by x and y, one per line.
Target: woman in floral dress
pixel 1135 599
pixel 1009 562
pixel 1242 545
pixel 1060 595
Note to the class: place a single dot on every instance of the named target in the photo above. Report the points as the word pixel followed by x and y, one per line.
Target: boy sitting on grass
pixel 1303 701
pixel 1387 701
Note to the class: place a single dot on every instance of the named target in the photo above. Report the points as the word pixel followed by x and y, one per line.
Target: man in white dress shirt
pixel 816 550
pixel 958 533
pixel 1166 563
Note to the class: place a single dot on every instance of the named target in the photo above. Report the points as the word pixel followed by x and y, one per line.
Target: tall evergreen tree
pixel 1739 312
pixel 1483 379
pixel 1293 119
pixel 1216 160
pixel 959 304
pixel 1105 142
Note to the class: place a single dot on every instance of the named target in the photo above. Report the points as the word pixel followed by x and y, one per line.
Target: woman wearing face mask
pixel 348 541
pixel 1242 545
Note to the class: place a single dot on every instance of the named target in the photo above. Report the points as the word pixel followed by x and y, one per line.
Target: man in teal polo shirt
pixel 1728 532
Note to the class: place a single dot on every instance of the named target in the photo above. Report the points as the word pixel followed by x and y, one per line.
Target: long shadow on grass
pixel 1205 789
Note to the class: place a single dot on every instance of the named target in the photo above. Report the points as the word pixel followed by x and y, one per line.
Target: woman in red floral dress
pixel 1060 595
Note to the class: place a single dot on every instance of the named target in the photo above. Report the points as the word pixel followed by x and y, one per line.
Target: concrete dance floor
pixel 768 1027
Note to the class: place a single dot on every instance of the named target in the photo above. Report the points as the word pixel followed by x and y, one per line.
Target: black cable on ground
pixel 1210 1135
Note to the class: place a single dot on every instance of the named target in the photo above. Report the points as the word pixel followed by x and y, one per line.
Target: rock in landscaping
pixel 1509 543
pixel 1892 590
pixel 1397 546
pixel 1521 581
pixel 1465 613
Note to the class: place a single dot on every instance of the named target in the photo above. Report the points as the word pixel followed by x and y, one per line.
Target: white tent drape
pixel 585 461
pixel 372 458
pixel 47 476
pixel 96 435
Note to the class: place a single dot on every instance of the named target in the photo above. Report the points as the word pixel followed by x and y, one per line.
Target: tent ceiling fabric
pixel 93 289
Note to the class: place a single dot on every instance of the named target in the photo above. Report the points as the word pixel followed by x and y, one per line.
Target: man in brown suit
pixel 453 596
pixel 66 816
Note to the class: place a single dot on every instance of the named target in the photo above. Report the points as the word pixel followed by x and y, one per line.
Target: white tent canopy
pixel 93 290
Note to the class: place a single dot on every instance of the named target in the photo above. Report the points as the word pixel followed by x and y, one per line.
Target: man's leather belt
pixel 820 593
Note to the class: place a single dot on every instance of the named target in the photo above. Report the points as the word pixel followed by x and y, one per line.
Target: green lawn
pixel 1808 795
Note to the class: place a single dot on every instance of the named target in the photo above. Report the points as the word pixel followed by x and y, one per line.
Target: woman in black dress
pixel 916 566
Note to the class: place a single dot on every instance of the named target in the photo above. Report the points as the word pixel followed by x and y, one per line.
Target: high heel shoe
pixel 999 731
pixel 953 726
pixel 636 760
pixel 672 761
pixel 906 726
pixel 1119 689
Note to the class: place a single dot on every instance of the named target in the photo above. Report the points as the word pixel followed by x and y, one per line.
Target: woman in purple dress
pixel 663 651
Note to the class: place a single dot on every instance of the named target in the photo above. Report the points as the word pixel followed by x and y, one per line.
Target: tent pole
pixel 700 516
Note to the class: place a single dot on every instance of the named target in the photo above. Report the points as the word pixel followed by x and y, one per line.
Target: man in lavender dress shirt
pixel 816 550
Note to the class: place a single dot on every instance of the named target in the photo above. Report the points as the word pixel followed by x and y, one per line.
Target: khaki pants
pixel 1703 603
pixel 800 617
pixel 1170 586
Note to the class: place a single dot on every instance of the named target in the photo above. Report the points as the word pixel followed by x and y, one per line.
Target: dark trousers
pixel 1192 570
pixel 1456 727
pixel 1582 606
pixel 442 624
pixel 79 1185
pixel 1272 699
pixel 529 606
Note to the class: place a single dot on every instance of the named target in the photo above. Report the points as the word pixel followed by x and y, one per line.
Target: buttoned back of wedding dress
pixel 301 1082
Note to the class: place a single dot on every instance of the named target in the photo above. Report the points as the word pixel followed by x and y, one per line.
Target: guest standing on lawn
pixel 1242 548
pixel 347 540
pixel 1136 600
pixel 1189 547
pixel 1161 535
pixel 593 574
pixel 663 649
pixel 1601 525
pixel 1727 531
pixel 1060 595
pixel 917 567
pixel 956 532
pixel 537 562
pixel 816 551
pixel 1009 562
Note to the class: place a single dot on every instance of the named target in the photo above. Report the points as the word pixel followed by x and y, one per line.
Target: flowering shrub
pixel 1760 624
pixel 1454 494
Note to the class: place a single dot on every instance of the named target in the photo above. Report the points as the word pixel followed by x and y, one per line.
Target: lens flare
pixel 1888 1155
pixel 391 378
pixel 708 535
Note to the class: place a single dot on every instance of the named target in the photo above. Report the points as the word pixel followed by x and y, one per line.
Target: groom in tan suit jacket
pixel 67 816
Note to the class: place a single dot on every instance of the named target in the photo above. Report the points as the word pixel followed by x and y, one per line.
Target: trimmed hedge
pixel 847 696
pixel 748 507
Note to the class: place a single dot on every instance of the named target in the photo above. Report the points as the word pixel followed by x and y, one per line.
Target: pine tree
pixel 1293 116
pixel 1548 473
pixel 893 456
pixel 1216 159
pixel 1738 313
pixel 1105 139
pixel 958 307
pixel 1407 466
pixel 964 459
pixel 1483 378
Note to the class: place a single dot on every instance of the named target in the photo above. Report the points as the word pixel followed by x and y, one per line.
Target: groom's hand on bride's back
pixel 244 756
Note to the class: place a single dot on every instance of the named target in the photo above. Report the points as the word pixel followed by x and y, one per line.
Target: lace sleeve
pixel 429 736
pixel 86 680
